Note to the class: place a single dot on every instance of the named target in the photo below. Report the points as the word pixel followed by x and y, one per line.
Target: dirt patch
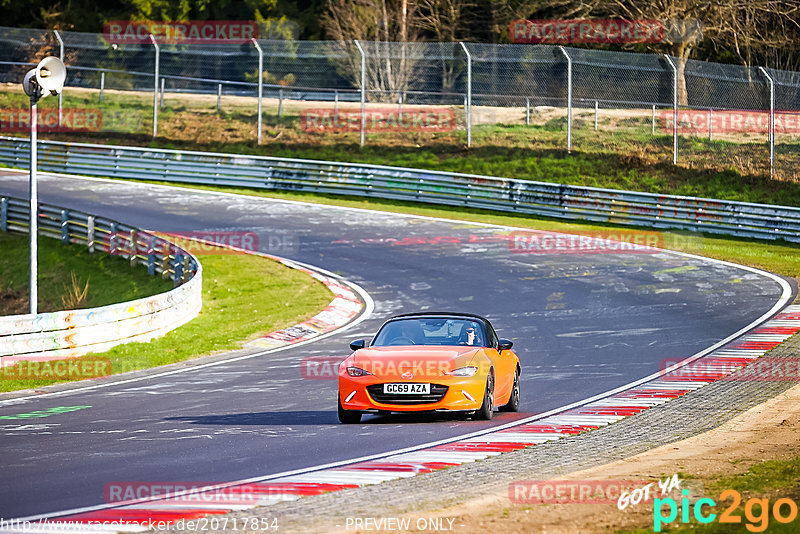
pixel 608 119
pixel 13 302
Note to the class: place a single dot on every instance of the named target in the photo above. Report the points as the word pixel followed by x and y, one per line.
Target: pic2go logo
pixel 756 511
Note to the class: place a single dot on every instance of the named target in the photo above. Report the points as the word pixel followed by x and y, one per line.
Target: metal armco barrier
pixel 725 217
pixel 72 333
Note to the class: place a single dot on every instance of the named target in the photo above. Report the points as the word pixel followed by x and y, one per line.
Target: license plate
pixel 407 389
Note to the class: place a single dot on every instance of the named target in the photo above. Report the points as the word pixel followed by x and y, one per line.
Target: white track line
pixel 550 416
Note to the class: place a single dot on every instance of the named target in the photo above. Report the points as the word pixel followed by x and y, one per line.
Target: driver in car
pixel 470 337
pixel 405 333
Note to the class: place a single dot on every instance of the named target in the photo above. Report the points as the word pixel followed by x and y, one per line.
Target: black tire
pixel 487 408
pixel 348 417
pixel 513 401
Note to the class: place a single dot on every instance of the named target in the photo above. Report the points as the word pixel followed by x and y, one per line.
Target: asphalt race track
pixel 582 324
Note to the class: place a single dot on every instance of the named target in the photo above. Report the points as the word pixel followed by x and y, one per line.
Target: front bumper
pixel 463 394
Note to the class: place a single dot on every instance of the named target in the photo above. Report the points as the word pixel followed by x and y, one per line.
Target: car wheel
pixel 487 408
pixel 513 401
pixel 348 417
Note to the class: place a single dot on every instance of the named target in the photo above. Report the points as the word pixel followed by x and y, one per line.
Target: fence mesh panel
pixel 622 103
pixel 618 99
pixel 787 124
pixel 21 49
pixel 723 119
pixel 520 85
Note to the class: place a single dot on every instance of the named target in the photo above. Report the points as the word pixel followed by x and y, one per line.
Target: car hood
pixel 422 361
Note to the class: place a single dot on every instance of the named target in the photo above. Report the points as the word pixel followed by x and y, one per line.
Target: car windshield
pixel 431 331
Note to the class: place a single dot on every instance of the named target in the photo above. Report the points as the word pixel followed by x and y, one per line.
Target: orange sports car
pixel 430 362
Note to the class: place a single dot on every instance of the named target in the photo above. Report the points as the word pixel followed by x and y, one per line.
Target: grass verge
pixel 243 296
pixel 760 487
pixel 69 277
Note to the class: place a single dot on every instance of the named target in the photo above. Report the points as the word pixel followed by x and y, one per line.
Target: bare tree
pixel 448 22
pixel 380 24
pixel 764 31
pixel 686 22
pixel 506 11
pixel 750 28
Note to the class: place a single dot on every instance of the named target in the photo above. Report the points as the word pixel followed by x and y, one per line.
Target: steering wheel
pixel 402 340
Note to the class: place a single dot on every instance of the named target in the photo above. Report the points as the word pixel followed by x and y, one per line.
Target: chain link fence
pixel 787 124
pixel 641 107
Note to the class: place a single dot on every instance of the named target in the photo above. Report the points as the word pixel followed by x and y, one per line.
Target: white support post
pixel 771 131
pixel 569 98
pixel 335 105
pixel 33 226
pixel 653 121
pixel 527 111
pixel 260 83
pixel 674 109
pixel 155 86
pixel 61 93
pixel 469 94
pixel 710 124
pixel 90 233
pixel 363 90
pixel 36 87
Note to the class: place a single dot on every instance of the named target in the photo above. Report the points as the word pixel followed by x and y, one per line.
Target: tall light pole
pixel 47 78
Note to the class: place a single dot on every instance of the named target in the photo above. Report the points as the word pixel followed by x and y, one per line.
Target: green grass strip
pixel 243 296
pixel 111 279
pixel 770 480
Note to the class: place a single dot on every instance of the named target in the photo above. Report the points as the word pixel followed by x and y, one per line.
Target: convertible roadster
pixel 430 362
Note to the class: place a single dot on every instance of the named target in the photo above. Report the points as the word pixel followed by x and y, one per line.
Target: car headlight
pixel 357 371
pixel 463 371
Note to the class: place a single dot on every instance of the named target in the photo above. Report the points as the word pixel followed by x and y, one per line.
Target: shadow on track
pixel 310 418
pixel 287 418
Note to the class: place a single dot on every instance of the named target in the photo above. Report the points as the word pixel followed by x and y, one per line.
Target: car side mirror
pixel 504 344
pixel 357 344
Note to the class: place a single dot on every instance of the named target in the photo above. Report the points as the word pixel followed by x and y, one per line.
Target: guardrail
pixel 75 332
pixel 725 217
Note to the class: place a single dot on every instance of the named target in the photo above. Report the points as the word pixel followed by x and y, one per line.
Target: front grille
pixel 437 393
